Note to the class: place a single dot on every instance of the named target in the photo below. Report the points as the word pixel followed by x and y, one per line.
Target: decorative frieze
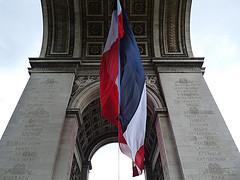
pixel 75 170
pixel 152 81
pixel 82 81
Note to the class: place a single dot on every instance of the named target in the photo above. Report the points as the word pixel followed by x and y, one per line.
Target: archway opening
pixel 95 132
pixel 109 163
pixel 93 138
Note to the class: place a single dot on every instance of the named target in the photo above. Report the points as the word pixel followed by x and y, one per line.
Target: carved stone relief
pixel 96 25
pixel 172 28
pixel 82 81
pixel 75 170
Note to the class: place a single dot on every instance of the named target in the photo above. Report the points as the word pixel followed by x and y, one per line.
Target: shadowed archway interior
pixel 96 132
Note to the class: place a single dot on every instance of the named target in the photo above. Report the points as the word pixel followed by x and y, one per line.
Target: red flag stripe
pixel 108 87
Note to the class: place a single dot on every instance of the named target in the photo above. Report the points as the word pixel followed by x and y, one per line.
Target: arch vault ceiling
pixel 78 28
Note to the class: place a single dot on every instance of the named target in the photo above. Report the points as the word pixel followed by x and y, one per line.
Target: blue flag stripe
pixel 132 75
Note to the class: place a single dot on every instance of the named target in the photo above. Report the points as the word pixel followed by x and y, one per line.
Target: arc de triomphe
pixel 56 127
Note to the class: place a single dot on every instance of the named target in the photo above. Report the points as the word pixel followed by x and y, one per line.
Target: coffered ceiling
pixel 79 28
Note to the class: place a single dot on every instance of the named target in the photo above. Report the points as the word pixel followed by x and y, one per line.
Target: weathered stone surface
pixel 29 145
pixel 62 169
pixel 169 155
pixel 205 147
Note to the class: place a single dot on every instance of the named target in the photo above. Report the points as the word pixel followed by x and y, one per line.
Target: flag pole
pixel 118 163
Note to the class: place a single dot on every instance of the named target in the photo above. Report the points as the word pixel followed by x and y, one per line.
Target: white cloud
pixel 13 83
pixel 21 33
pixel 215 36
pixel 225 88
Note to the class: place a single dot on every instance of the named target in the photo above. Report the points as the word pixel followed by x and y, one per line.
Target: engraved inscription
pixel 15 177
pixel 187 92
pixel 24 148
pixel 200 134
pixel 49 82
pixel 18 169
pixel 17 172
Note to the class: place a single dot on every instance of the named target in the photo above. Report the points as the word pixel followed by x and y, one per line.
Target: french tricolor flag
pixel 123 89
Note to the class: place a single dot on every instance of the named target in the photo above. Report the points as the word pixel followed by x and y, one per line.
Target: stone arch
pixel 100 144
pixel 84 96
pixel 95 132
pixel 90 92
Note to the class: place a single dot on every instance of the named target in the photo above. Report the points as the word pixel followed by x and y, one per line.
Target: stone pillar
pixel 204 145
pixel 168 152
pixel 63 164
pixel 29 146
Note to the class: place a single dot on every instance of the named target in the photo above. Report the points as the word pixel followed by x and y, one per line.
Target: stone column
pixel 168 152
pixel 86 166
pixel 204 145
pixel 29 146
pixel 63 164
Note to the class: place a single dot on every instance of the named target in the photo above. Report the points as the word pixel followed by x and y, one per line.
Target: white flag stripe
pixel 119 8
pixel 137 126
pixel 113 32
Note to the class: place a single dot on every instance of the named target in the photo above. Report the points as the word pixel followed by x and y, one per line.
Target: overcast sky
pixel 215 29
